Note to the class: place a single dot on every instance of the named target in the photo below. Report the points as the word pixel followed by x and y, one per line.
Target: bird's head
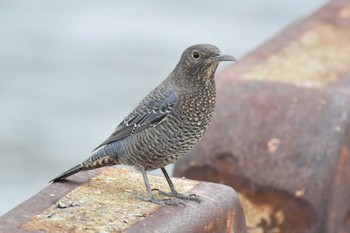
pixel 200 61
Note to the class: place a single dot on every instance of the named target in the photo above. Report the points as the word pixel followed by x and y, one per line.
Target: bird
pixel 166 124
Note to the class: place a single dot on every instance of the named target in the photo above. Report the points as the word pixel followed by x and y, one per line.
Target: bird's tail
pixel 99 159
pixel 70 172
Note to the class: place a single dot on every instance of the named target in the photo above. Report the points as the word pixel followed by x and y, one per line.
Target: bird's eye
pixel 195 54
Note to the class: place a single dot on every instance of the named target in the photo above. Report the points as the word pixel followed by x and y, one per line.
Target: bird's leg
pixel 150 197
pixel 174 193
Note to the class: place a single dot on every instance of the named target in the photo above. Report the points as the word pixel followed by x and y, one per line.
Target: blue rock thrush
pixel 166 124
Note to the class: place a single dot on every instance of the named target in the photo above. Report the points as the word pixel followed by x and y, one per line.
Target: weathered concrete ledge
pixel 104 201
pixel 280 134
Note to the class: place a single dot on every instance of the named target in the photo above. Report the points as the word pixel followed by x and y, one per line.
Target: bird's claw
pixel 190 197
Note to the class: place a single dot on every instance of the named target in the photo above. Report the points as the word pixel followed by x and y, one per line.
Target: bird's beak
pixel 224 57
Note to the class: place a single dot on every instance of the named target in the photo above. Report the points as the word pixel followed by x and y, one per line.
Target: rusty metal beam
pixel 281 131
pixel 104 201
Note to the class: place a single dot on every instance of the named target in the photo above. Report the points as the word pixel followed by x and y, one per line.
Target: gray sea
pixel 71 70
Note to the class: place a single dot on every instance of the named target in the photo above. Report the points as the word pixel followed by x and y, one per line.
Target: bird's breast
pixel 194 109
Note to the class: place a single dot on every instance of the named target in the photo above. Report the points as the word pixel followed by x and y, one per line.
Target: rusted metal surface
pixel 104 201
pixel 220 211
pixel 281 130
pixel 12 220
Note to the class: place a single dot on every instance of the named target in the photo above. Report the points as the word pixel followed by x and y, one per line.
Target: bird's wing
pixel 148 113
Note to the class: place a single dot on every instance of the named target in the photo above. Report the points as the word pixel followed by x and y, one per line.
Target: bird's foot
pixel 165 201
pixel 190 197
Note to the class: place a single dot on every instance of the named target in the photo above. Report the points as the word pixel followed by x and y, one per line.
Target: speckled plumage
pixel 168 122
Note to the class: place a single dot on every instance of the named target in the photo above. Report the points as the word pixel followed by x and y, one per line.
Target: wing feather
pixel 148 113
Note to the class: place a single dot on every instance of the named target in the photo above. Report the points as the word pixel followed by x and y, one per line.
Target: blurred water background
pixel 71 70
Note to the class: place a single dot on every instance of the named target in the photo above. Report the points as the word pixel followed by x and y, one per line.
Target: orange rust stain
pixel 209 227
pixel 230 222
pixel 273 144
pixel 343 160
pixel 300 192
pixel 344 13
